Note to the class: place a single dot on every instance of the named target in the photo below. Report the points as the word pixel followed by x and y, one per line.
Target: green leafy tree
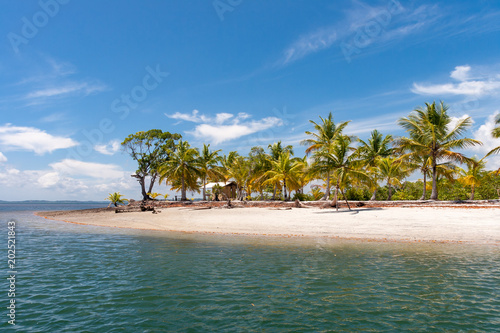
pixel 430 136
pixel 392 170
pixel 371 152
pixel 150 149
pixel 208 165
pixel 286 172
pixel 181 169
pixel 323 137
pixel 474 175
pixel 116 198
pixel 275 151
pixel 496 134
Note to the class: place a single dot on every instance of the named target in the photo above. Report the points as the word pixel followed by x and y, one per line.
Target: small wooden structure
pixel 227 190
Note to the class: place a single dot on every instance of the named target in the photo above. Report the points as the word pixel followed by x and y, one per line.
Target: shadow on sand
pixel 345 210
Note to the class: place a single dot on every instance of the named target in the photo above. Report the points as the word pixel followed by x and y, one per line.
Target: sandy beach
pixel 423 224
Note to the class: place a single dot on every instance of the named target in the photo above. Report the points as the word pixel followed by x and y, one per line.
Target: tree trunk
pixel 345 198
pixel 204 189
pixel 389 197
pixel 152 183
pixel 434 194
pixel 473 189
pixel 141 180
pixel 274 191
pixel 374 195
pixel 284 190
pixel 335 198
pixel 183 189
pixel 424 191
pixel 327 190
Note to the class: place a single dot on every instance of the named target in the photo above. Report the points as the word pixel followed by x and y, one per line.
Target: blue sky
pixel 77 77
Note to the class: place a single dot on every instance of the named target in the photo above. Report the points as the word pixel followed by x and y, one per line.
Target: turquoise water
pixel 74 278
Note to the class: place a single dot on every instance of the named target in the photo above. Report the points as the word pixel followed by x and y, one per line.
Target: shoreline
pixel 435 224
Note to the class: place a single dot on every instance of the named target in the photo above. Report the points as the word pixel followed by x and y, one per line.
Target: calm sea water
pixel 74 278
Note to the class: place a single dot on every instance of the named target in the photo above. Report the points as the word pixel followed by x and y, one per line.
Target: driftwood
pixel 299 204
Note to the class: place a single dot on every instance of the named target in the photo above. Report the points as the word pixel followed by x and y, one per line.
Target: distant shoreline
pixel 443 222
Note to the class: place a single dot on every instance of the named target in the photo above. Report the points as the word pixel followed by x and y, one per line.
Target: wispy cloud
pixel 225 126
pixel 3 159
pixel 82 88
pixel 110 148
pixel 32 139
pixel 309 43
pixel 469 84
pixel 93 170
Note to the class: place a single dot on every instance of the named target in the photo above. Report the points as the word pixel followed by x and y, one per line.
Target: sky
pixel 77 77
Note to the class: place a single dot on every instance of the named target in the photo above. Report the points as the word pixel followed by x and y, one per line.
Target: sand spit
pixel 441 222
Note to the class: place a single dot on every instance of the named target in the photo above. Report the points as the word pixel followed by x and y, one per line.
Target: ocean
pixel 76 278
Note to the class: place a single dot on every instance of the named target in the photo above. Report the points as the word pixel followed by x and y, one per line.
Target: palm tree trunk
pixel 374 195
pixel 284 189
pixel 327 190
pixel 389 197
pixel 345 198
pixel 274 192
pixel 204 189
pixel 473 189
pixel 434 194
pixel 424 191
pixel 183 189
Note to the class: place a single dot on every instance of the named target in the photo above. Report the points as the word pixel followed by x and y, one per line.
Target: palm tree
pixel 339 158
pixel 115 199
pixel 430 136
pixel 496 134
pixel 208 165
pixel 392 170
pixel 474 175
pixel 372 151
pixel 259 165
pixel 285 171
pixel 326 133
pixel 238 168
pixel 275 151
pixel 181 169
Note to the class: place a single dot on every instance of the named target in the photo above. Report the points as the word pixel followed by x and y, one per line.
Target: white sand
pixel 479 226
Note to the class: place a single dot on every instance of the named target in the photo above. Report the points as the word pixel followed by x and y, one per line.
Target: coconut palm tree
pixel 430 136
pixel 237 168
pixel 208 165
pixel 115 199
pixel 325 134
pixel 392 170
pixel 474 175
pixel 345 167
pixel 181 169
pixel 285 171
pixel 274 154
pixel 259 165
pixel 372 151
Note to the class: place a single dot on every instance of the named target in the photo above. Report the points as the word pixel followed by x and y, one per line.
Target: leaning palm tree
pixel 325 134
pixel 115 199
pixel 208 165
pixel 181 169
pixel 285 171
pixel 430 136
pixel 372 151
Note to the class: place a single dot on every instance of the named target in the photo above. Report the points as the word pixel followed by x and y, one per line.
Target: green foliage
pixel 116 198
pixel 359 193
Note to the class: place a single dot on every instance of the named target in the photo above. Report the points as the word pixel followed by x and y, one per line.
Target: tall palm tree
pixel 275 151
pixel 372 151
pixel 339 158
pixel 238 168
pixel 208 165
pixel 285 171
pixel 325 134
pixel 392 170
pixel 259 165
pixel 181 169
pixel 475 174
pixel 430 136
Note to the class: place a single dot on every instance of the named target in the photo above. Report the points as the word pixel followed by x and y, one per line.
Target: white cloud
pixel 110 148
pixel 220 118
pixel 483 134
pixel 481 86
pixel 3 159
pixel 220 133
pixel 32 139
pixel 49 179
pixel 461 73
pixel 84 88
pixel 454 121
pixel 193 117
pixel 92 170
